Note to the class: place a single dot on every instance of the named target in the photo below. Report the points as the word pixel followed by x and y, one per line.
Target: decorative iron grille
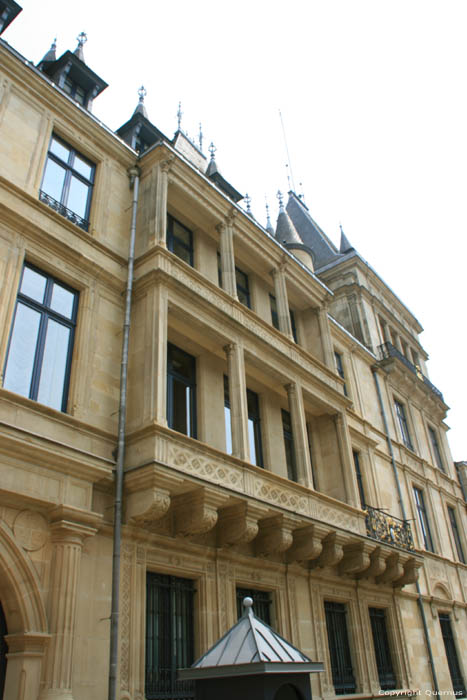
pixel 386 528
pixel 339 649
pixel 386 675
pixel 169 636
pixel 62 209
pixel 387 350
pixel 261 603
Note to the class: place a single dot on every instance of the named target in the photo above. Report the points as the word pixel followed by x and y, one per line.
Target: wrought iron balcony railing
pixel 387 350
pixel 61 209
pixel 386 528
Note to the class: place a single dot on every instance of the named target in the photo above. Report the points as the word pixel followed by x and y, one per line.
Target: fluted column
pixel 238 402
pixel 325 332
pixel 348 467
pixel 280 291
pixel 226 248
pixel 300 437
pixel 67 539
pixel 161 202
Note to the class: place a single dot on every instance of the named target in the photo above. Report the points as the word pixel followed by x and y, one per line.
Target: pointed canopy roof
pixel 51 54
pixel 345 246
pixel 9 9
pixel 213 173
pixel 250 647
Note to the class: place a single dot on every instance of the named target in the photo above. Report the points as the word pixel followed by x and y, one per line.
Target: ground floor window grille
pixel 261 603
pixel 387 678
pixel 451 653
pixel 169 636
pixel 339 649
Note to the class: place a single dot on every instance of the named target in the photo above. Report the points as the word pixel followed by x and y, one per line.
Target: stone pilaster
pixel 238 402
pixel 161 202
pixel 159 353
pixel 69 528
pixel 325 333
pixel 348 467
pixel 300 437
pixel 226 248
pixel 280 291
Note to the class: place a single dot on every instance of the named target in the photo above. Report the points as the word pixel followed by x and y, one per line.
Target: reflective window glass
pixel 33 284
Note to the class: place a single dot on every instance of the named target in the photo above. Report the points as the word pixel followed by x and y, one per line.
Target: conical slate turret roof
pixel 345 246
pixel 250 647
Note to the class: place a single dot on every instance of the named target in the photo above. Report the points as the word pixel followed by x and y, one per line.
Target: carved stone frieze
pixel 279 495
pixel 217 472
pixel 275 534
pixel 195 512
pixel 238 523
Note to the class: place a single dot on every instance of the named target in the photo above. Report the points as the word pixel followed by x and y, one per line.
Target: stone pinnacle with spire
pixel 81 39
pixel 140 107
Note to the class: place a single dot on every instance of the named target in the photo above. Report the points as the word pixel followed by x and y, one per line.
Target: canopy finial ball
pixel 248 602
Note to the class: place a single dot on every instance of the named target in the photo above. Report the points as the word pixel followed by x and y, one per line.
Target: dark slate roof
pixel 250 647
pixel 212 172
pixel 285 230
pixel 311 235
pixel 148 133
pixel 79 72
pixel 9 9
pixel 345 246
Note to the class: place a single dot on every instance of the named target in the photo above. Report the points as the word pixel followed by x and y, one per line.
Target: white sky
pixel 373 98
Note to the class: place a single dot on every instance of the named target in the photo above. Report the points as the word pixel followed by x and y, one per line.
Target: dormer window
pixel 75 91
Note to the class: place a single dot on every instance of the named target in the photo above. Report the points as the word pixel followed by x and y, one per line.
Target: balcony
pixel 388 529
pixel 387 351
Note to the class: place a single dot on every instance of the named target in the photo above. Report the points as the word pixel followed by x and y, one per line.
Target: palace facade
pixel 282 437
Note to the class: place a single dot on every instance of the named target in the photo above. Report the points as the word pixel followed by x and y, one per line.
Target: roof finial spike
pixel 269 227
pixel 179 116
pixel 302 194
pixel 81 39
pixel 281 200
pixel 248 203
pixel 200 137
pixel 212 150
pixel 142 92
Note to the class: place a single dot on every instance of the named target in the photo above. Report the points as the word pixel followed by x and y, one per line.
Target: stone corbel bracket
pixel 195 512
pixel 394 569
pixel 148 495
pixel 333 550
pixel 307 544
pixel 410 575
pixel 238 523
pixel 377 565
pixel 275 534
pixel 356 558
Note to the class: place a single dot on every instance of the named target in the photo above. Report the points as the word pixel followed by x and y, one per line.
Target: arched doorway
pixel 3 650
pixel 288 692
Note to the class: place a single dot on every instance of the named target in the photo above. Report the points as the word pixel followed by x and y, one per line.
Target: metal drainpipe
pixel 114 613
pixel 404 516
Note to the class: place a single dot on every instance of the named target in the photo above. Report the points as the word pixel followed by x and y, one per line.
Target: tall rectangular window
pixel 340 369
pixel 386 675
pixel 458 683
pixel 41 342
pixel 227 417
pixel 456 534
pixel 403 425
pixel 423 519
pixel 181 391
pixel 275 317
pixel 261 603
pixel 358 474
pixel 243 287
pixel 339 649
pixel 289 446
pixel 254 428
pixel 179 240
pixel 169 636
pixel 436 449
pixel 67 182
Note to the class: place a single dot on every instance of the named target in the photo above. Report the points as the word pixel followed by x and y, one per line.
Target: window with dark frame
pixel 262 603
pixel 386 675
pixel 227 417
pixel 243 287
pixel 289 445
pixel 254 428
pixel 41 342
pixel 358 474
pixel 339 649
pixel 423 519
pixel 436 449
pixel 67 183
pixel 456 534
pixel 275 317
pixel 403 425
pixel 169 636
pixel 179 240
pixel 75 91
pixel 181 391
pixel 340 369
pixel 458 683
